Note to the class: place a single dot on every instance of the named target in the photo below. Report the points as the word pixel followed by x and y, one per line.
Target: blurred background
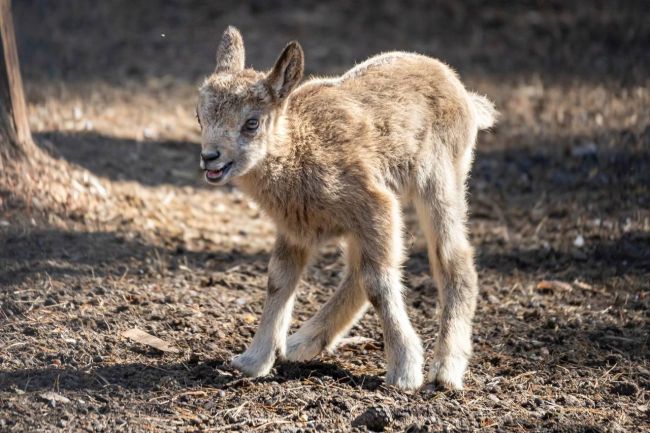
pixel 118 230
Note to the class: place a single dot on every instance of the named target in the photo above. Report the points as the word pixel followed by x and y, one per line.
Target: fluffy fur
pixel 331 158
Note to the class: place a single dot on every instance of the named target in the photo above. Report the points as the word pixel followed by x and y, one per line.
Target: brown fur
pixel 331 158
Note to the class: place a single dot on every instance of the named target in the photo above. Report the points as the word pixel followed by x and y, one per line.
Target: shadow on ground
pixel 64 253
pixel 629 254
pixel 146 377
pixel 606 346
pixel 147 162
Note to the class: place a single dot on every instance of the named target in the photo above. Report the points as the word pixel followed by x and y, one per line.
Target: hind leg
pixel 332 321
pixel 441 209
pixel 350 301
pixel 380 254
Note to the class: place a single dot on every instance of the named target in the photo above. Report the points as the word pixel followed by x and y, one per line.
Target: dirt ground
pixel 112 228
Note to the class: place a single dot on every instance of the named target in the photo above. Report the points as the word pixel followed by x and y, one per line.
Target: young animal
pixel 330 158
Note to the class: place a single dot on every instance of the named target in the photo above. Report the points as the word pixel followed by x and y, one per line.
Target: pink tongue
pixel 213 173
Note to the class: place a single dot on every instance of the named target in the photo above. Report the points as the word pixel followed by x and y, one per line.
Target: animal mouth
pixel 213 176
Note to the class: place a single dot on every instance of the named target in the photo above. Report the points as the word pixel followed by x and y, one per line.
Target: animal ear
pixel 230 54
pixel 287 72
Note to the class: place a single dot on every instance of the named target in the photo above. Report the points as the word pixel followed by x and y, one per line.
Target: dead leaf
pixel 249 318
pixel 356 340
pixel 582 285
pixel 554 285
pixel 53 398
pixel 139 336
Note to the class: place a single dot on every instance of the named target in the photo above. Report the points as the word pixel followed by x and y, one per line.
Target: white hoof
pixel 448 371
pixel 253 366
pixel 407 374
pixel 408 379
pixel 301 347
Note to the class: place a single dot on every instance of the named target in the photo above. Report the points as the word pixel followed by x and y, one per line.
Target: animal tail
pixel 486 114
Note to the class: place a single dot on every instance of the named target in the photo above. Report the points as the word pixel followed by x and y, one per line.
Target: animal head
pixel 240 109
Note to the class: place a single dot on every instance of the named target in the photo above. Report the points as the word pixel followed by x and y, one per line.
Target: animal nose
pixel 210 156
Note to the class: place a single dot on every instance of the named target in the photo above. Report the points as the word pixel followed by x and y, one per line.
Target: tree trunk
pixel 15 137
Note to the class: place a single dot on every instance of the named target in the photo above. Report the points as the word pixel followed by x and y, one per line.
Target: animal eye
pixel 251 124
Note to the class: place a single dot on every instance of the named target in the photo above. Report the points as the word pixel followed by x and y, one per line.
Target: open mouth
pixel 217 175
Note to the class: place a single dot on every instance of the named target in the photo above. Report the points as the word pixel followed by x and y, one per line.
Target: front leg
pixel 287 263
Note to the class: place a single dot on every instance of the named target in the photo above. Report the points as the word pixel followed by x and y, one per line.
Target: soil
pixel 110 227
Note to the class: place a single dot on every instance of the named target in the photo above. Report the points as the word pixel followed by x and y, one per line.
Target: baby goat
pixel 329 159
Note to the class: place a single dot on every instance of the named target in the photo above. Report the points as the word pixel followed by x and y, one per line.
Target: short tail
pixel 486 114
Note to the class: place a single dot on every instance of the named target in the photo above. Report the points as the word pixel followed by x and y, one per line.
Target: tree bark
pixel 15 137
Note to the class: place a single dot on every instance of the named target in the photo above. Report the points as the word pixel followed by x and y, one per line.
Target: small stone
pixel 586 149
pixel 568 400
pixel 52 398
pixel 149 133
pixel 376 418
pixel 579 241
pixel 625 388
pixel 414 428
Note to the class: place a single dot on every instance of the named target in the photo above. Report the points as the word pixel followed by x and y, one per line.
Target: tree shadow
pixel 629 255
pixel 304 370
pixel 588 185
pixel 544 342
pixel 147 162
pixel 132 376
pixel 140 376
pixel 58 253
pixel 607 168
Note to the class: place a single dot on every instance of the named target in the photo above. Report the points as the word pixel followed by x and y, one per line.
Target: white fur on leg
pixel 448 371
pixel 453 349
pixel 381 277
pixel 270 339
pixel 404 352
pixel 402 344
pixel 258 359
pixel 408 378
pixel 405 367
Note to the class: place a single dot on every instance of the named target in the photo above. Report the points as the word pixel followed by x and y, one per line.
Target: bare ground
pixel 111 227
